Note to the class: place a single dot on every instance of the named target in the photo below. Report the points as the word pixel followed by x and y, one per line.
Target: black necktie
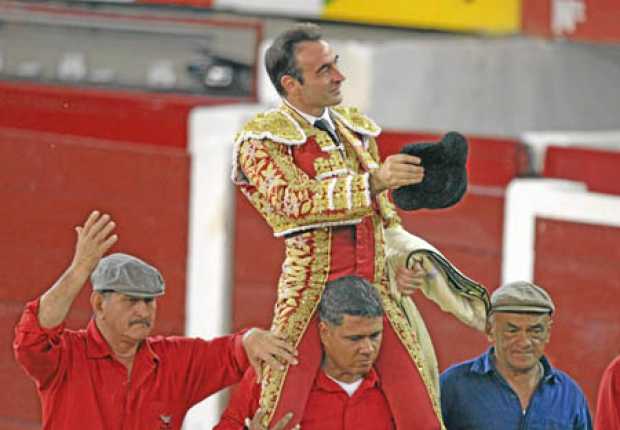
pixel 322 124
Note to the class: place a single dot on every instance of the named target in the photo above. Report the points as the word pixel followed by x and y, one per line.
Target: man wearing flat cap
pixel 512 386
pixel 113 375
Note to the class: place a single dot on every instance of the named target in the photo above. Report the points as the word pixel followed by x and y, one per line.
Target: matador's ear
pixel 445 174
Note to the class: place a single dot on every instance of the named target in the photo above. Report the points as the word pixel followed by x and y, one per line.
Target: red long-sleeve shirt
pixel 608 406
pixel 82 386
pixel 329 407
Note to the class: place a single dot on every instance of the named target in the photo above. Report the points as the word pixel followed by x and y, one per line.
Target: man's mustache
pixel 144 322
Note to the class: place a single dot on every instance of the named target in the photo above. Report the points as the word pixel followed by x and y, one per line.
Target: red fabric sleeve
pixel 38 350
pixel 243 403
pixel 608 406
pixel 211 365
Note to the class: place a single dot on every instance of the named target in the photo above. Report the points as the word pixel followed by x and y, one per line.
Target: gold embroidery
pixel 304 274
pixel 276 125
pixel 408 338
pixel 289 199
pixel 356 121
pixel 292 202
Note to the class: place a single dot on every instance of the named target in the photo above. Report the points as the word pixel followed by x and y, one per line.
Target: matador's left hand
pixel 409 280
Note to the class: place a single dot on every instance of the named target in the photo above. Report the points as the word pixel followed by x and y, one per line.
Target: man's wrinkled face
pixel 351 348
pixel 519 339
pixel 321 77
pixel 128 317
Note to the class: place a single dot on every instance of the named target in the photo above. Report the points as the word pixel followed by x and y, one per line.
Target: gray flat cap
pixel 521 297
pixel 127 275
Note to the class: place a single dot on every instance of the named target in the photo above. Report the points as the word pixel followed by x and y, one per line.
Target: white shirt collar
pixel 311 118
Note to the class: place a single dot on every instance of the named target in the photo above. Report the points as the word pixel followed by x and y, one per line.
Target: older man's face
pixel 128 317
pixel 519 339
pixel 351 348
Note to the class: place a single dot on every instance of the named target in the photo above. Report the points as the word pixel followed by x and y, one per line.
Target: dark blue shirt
pixel 474 396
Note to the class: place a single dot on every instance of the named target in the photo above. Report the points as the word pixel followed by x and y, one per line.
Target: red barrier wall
pixel 598 169
pixel 600 23
pixel 49 184
pixel 578 264
pixel 470 234
pixel 130 116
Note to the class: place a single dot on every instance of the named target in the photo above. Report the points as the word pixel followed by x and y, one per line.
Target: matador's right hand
pixel 396 171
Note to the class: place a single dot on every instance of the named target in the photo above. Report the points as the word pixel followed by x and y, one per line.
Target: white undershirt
pixel 348 387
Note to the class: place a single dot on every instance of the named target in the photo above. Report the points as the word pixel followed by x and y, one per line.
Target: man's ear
pixel 323 330
pixel 490 330
pixel 96 303
pixel 289 84
pixel 549 325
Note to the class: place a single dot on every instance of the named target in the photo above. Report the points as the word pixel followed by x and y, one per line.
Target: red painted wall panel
pixel 600 23
pixel 130 116
pixel 470 234
pixel 49 184
pixel 578 264
pixel 536 17
pixel 598 169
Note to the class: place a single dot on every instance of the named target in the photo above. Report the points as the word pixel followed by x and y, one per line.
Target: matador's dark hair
pixel 280 57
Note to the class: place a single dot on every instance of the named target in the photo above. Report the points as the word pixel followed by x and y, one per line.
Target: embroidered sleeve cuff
pixel 347 195
pixel 360 191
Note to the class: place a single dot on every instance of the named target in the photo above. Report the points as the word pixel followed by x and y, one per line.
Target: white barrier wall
pixel 211 132
pixel 527 199
pixel 538 141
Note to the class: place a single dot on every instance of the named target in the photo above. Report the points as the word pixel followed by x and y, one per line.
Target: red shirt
pixel 329 407
pixel 82 386
pixel 608 406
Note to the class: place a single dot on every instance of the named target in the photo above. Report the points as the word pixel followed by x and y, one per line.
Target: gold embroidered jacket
pixel 296 177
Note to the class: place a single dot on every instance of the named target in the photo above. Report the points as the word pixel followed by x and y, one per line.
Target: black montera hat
pixel 445 174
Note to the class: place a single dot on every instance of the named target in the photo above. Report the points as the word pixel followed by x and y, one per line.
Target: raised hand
pixel 94 239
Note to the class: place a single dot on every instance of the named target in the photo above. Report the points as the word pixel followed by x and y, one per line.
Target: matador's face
pixel 322 80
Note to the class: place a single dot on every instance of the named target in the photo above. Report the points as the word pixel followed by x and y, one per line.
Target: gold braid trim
pixel 353 119
pixel 299 293
pixel 411 343
pixel 276 125
pixel 388 211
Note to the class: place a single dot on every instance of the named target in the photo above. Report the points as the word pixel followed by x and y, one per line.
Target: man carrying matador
pixel 312 170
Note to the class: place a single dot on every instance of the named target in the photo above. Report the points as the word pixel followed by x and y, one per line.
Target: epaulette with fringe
pixel 353 119
pixel 276 125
